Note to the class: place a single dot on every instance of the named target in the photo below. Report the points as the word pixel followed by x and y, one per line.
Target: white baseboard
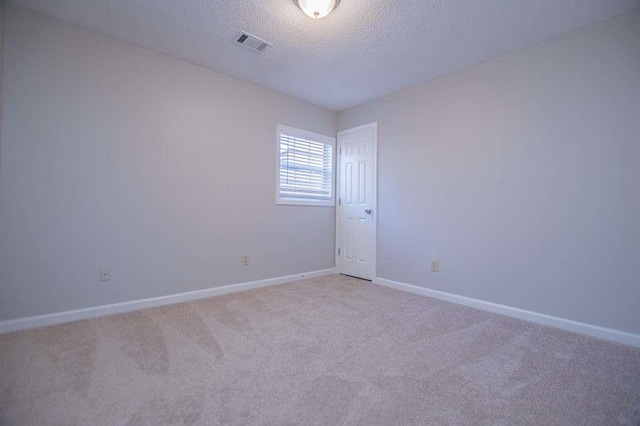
pixel 116 308
pixel 564 324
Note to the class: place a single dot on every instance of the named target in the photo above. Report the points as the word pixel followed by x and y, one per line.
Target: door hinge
pixel 339 201
pixel 338 251
pixel 340 151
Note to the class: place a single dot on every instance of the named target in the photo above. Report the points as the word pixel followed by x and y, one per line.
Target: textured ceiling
pixel 363 50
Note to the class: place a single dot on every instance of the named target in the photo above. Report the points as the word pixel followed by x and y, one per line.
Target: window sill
pixel 297 202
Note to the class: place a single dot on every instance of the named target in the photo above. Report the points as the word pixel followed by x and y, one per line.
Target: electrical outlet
pixel 245 260
pixel 435 265
pixel 105 274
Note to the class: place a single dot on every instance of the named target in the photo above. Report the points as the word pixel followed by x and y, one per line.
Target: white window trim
pixel 305 134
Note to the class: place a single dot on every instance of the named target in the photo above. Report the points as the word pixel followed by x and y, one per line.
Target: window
pixel 305 168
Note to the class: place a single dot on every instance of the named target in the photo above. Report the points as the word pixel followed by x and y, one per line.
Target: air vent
pixel 252 42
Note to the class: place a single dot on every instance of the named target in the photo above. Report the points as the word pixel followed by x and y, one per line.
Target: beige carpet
pixel 326 351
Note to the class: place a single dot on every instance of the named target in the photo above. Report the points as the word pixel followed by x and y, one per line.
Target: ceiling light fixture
pixel 317 8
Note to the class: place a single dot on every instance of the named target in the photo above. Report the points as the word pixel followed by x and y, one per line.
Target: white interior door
pixel 356 212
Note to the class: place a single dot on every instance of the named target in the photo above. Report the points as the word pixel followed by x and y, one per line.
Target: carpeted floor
pixel 326 351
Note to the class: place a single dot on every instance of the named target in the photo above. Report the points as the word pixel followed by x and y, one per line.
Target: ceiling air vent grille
pixel 252 42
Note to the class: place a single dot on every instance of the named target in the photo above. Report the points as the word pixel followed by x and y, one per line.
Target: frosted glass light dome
pixel 317 8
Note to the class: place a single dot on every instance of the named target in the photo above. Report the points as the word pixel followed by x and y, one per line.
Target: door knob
pixel 368 211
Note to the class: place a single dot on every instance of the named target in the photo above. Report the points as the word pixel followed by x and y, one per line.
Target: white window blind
pixel 305 168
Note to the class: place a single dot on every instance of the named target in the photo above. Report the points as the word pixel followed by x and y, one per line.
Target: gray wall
pixel 117 156
pixel 522 176
pixel 2 6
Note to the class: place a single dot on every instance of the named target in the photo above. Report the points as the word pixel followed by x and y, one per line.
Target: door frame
pixel 374 249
